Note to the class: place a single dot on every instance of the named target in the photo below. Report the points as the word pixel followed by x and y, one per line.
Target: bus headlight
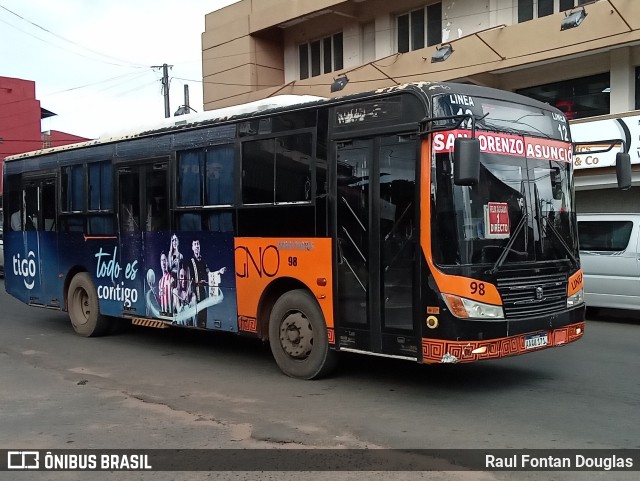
pixel 575 299
pixel 468 308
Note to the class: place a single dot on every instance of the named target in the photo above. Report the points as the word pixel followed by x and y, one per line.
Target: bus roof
pixel 185 121
pixel 275 104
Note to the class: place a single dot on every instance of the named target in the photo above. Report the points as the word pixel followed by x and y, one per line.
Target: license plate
pixel 536 340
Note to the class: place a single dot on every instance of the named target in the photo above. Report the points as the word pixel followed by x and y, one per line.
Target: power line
pixel 128 81
pixel 64 49
pixel 135 89
pixel 134 76
pixel 122 63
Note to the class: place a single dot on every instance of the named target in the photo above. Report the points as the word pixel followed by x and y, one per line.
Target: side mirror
pixel 623 170
pixel 466 161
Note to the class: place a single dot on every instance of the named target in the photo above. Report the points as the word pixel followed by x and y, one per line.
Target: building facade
pixel 20 116
pixel 256 49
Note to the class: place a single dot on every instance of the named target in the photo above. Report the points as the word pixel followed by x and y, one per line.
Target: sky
pixel 92 60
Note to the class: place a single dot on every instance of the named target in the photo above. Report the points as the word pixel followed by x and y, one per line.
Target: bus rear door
pixel 39 264
pixel 143 194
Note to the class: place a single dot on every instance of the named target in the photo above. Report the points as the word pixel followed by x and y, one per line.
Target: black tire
pixel 298 337
pixel 83 307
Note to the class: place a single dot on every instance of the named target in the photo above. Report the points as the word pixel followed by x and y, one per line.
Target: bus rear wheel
pixel 84 309
pixel 298 337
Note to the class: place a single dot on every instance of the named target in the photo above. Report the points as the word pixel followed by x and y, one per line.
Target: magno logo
pixel 25 268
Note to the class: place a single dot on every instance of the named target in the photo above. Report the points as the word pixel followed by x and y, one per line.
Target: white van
pixel 610 257
pixel 1 244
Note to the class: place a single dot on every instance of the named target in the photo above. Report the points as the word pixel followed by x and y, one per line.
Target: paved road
pixel 148 388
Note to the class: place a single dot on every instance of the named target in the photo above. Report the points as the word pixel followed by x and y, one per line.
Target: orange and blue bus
pixel 432 222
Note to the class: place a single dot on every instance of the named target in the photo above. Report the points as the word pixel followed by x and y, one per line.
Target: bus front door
pixel 144 235
pixel 376 245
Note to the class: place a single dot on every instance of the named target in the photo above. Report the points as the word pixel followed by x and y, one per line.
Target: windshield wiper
pixel 507 248
pixel 512 240
pixel 562 242
pixel 542 227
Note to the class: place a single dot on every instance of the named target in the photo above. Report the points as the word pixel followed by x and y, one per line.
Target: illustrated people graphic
pixel 174 257
pixel 165 286
pixel 198 272
pixel 200 275
pixel 183 299
pixel 152 296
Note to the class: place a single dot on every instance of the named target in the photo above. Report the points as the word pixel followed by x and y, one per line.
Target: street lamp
pixel 442 53
pixel 339 83
pixel 573 19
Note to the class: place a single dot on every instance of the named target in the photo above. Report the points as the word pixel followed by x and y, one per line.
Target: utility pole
pixel 165 87
pixel 186 108
pixel 186 97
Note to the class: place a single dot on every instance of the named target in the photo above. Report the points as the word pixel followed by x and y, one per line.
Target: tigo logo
pixel 25 268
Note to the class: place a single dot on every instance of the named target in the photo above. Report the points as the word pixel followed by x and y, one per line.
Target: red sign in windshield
pixel 497 218
pixel 508 144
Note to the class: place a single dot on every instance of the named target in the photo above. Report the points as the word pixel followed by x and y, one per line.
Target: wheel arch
pixel 270 295
pixel 67 282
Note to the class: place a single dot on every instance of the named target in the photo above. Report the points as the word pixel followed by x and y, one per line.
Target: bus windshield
pixel 521 211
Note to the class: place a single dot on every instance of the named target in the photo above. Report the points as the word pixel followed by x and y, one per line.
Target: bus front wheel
pixel 84 310
pixel 298 337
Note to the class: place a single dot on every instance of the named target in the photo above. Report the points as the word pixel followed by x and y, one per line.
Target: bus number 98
pixel 477 288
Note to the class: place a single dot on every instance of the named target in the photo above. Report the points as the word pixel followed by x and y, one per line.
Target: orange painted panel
pixel 461 286
pixel 576 282
pixel 261 260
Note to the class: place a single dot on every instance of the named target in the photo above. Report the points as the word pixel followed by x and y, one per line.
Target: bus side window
pixel 31 207
pixel 129 187
pixel 15 211
pixel 190 221
pixel 130 222
pixel 49 205
pixel 72 224
pixel 157 200
pixel 293 168
pixel 16 220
